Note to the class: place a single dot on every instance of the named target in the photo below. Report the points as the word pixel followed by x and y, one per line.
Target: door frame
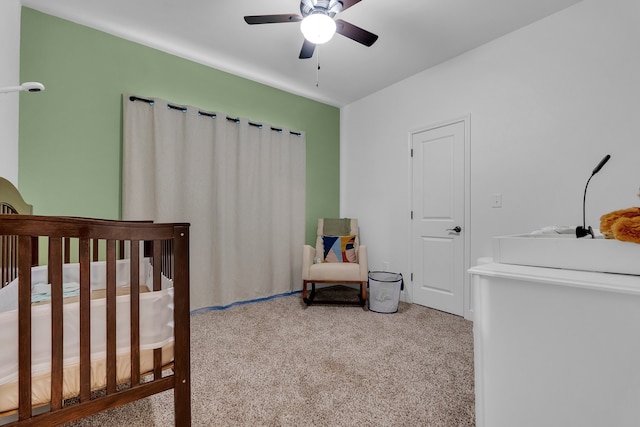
pixel 466 120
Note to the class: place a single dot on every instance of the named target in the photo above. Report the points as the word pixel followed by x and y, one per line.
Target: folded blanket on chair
pixel 336 227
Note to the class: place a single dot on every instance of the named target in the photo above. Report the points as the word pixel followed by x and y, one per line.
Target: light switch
pixel 496 200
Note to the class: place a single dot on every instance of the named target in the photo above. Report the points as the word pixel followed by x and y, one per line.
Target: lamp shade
pixel 318 28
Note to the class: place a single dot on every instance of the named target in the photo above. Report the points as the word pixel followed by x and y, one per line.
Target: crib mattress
pixel 41 384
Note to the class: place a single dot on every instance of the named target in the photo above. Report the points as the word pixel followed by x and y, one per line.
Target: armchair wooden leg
pixel 363 293
pixel 308 300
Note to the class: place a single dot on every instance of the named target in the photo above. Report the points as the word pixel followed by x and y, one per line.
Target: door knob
pixel 456 229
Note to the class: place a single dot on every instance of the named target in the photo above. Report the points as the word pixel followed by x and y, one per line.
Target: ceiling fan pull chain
pixel 318 65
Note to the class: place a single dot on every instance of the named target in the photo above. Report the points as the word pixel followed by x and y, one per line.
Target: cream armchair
pixel 316 270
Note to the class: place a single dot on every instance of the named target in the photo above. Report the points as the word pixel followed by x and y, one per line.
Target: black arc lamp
pixel 582 231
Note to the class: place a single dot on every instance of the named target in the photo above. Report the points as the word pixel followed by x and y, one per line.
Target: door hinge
pixel 411 214
pixel 412 152
pixel 412 277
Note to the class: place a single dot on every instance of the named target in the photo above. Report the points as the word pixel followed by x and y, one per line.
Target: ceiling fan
pixel 318 23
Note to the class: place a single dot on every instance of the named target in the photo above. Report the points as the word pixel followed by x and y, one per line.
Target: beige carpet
pixel 280 363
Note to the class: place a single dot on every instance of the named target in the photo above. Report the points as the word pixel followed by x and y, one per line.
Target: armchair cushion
pixel 335 272
pixel 339 248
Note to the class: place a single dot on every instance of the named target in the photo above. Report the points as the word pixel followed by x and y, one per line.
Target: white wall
pixel 9 75
pixel 546 103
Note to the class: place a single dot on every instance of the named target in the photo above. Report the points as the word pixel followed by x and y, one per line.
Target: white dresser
pixel 556 347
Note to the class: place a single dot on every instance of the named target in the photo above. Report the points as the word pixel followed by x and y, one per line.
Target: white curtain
pixel 239 184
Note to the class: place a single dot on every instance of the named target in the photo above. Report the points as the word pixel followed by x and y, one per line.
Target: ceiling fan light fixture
pixel 318 28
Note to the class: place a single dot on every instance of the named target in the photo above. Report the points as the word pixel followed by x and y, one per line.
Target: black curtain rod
pixel 135 98
pixel 177 107
pixel 237 120
pixel 211 115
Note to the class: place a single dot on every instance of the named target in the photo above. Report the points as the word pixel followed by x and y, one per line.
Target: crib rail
pixel 170 250
pixel 9 251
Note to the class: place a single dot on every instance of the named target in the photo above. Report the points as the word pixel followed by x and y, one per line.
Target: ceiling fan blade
pixel 307 49
pixel 271 19
pixel 346 4
pixel 355 33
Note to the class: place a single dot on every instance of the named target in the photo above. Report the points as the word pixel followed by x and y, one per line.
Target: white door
pixel 438 242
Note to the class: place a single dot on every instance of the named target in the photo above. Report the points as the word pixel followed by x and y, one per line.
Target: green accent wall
pixel 70 142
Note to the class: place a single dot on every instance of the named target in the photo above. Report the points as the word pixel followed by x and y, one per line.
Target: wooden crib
pixel 102 249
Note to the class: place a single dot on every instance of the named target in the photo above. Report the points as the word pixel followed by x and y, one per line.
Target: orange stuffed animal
pixel 623 224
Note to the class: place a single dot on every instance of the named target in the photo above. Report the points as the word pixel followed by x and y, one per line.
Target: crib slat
pixel 10 259
pixel 84 252
pixel 95 252
pixel 67 250
pixel 24 327
pixel 135 312
pixel 157 265
pixel 157 285
pixel 55 278
pixel 111 316
pixel 5 260
pixel 34 251
pixel 167 258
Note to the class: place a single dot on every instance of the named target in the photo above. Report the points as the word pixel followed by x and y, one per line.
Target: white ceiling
pixel 413 36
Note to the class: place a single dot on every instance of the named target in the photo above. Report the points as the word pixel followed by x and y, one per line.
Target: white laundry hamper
pixel 384 291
